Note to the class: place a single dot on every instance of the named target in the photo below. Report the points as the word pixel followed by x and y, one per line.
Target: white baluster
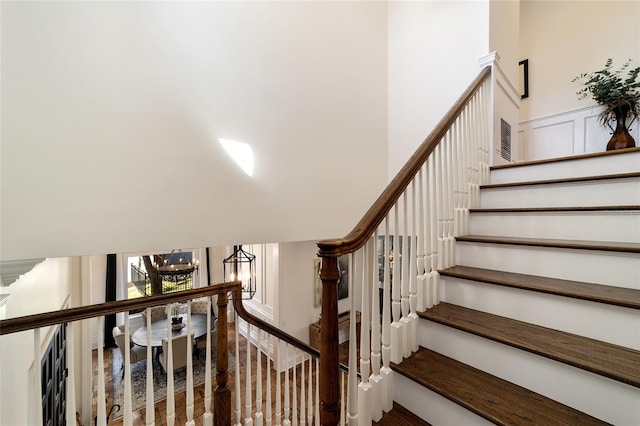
pixel 364 388
pixel 128 413
pixel 342 397
pixel 150 418
pixel 238 406
pixel 429 222
pixel 268 418
pixel 318 392
pixel 421 283
pixel 405 277
pixel 413 275
pixel 71 377
pixel 208 415
pixel 248 421
pixel 101 403
pixel 352 404
pixel 310 388
pixel 303 408
pixel 396 325
pixel 171 405
pixel 433 204
pixel 376 378
pixel 386 372
pixel 294 383
pixel 287 401
pixel 259 417
pixel 189 389
pixel 279 386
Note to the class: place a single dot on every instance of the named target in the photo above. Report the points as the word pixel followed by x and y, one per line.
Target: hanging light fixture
pixel 241 266
pixel 177 267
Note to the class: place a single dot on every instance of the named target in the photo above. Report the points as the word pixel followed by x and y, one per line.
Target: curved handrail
pixel 376 213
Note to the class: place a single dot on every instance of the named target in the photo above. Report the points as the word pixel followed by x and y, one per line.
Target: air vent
pixel 505 140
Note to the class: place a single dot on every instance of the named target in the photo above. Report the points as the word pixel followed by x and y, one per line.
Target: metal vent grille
pixel 505 140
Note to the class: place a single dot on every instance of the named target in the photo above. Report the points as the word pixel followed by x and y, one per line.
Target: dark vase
pixel 621 138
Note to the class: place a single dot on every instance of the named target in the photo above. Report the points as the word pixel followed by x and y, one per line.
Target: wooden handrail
pixel 376 214
pixel 28 322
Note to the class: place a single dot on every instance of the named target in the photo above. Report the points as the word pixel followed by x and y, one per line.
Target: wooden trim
pixel 555 209
pixel 568 158
pixel 562 180
pixel 375 215
pixel 612 246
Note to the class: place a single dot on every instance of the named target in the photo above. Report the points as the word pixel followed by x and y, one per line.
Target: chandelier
pixel 177 267
pixel 241 266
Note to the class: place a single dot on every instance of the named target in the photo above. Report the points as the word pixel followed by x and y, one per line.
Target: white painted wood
pixel 208 414
pixel 150 402
pixel 432 407
pixel 259 416
pixel 238 406
pixel 171 403
pixel 385 372
pixel 310 394
pixel 365 390
pixel 376 356
pixel 612 163
pixel 35 401
pixel 303 400
pixel 248 420
pixel 278 386
pixel 421 282
pixel 127 415
pixel 608 192
pixel 342 398
pixel 619 226
pixel 317 393
pixel 578 265
pixel 606 399
pixel 287 402
pixel 101 402
pixel 405 278
pixel 352 404
pixel 607 323
pixel 568 133
pixel 396 310
pixel 189 385
pixel 268 413
pixel 294 393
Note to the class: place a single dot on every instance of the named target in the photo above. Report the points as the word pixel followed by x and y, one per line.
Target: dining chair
pixel 201 342
pixel 179 349
pixel 157 313
pixel 136 353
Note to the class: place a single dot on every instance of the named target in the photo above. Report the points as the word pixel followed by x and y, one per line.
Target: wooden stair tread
pixel 555 209
pixel 562 180
pixel 565 158
pixel 400 416
pixel 619 296
pixel 608 360
pixel 490 397
pixel 547 242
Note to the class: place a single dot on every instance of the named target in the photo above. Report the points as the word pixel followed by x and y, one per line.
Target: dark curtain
pixel 110 296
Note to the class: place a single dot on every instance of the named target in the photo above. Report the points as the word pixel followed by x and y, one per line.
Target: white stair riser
pixel 620 226
pixel 609 192
pixel 607 323
pixel 597 396
pixel 627 163
pixel 593 266
pixel 431 406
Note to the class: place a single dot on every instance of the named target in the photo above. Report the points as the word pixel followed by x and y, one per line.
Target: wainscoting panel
pixel 569 133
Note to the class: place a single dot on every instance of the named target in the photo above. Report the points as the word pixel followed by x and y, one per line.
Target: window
pixel 139 281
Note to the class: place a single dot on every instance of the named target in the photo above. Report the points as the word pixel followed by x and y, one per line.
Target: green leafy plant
pixel 612 89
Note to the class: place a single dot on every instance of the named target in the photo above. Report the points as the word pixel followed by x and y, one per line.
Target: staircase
pixel 540 320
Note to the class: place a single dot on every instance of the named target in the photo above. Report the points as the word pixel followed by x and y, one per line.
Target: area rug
pixel 139 380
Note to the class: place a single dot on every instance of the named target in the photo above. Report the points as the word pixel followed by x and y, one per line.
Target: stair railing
pixel 279 359
pixel 395 252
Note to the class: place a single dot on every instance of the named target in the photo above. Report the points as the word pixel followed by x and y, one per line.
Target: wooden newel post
pixel 222 395
pixel 329 355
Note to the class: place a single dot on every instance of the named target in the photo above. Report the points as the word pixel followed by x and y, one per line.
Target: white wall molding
pixel 567 133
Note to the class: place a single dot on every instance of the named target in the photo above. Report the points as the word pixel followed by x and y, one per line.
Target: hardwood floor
pixel 398 416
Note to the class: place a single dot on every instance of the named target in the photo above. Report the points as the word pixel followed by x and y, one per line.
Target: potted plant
pixel 619 94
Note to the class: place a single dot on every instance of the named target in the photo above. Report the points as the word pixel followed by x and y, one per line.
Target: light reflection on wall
pixel 241 152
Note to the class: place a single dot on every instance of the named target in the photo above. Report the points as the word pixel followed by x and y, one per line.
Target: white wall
pixel 53 280
pixel 296 283
pixel 563 39
pixel 434 47
pixel 97 96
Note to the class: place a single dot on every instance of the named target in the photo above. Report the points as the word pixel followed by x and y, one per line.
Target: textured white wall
pixel 100 97
pixel 563 39
pixel 434 47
